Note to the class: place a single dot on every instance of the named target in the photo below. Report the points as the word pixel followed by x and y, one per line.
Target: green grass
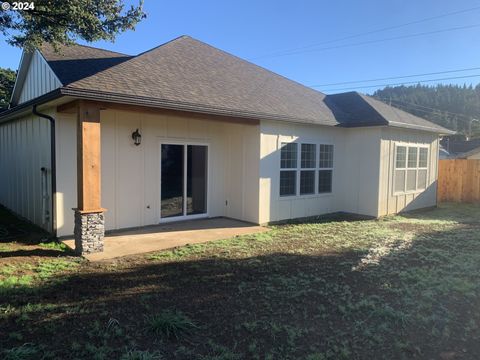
pixel 24 352
pixel 401 287
pixel 54 245
pixel 141 355
pixel 170 324
pixel 27 277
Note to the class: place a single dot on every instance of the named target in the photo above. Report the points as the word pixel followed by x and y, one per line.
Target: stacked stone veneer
pixel 89 232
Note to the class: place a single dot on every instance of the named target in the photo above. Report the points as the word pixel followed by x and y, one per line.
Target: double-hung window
pixel 288 169
pixel 325 174
pixel 305 169
pixel 411 168
pixel 308 166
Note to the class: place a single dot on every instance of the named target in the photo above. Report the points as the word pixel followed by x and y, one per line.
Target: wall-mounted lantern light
pixel 137 138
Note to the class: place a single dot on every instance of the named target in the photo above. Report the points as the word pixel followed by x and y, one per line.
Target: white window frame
pixel 314 168
pixel 406 168
pixel 299 168
pixel 297 179
pixel 317 176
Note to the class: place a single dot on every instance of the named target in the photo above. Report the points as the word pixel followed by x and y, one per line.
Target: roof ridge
pixel 232 55
pixel 165 43
pixel 258 66
pixel 98 48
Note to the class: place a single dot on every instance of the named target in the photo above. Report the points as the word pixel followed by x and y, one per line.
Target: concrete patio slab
pixel 166 236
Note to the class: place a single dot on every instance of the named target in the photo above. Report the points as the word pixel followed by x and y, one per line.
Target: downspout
pixel 53 163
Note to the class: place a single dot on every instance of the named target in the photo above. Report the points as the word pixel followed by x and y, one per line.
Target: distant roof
pixel 189 73
pixel 470 153
pixel 462 146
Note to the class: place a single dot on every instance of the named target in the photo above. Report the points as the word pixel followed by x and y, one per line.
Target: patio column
pixel 89 228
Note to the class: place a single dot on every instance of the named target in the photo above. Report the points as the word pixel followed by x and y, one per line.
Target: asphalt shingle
pixel 189 72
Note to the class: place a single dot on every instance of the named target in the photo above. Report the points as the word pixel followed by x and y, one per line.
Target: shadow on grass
pixel 38 252
pixel 18 230
pixel 418 301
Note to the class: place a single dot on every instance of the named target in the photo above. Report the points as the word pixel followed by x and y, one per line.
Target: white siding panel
pixel 66 156
pixel 40 79
pixel 272 206
pixel 25 145
pixel 131 174
pixel 361 171
pixel 390 203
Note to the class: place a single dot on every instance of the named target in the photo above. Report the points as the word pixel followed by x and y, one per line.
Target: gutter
pixel 12 113
pixel 53 163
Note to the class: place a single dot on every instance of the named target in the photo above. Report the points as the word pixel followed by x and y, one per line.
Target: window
pixel 326 166
pixel 307 177
pixel 324 181
pixel 288 183
pixel 288 178
pixel 411 167
pixel 303 170
pixel 289 156
pixel 326 156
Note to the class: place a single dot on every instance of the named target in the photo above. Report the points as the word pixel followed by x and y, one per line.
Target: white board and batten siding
pixel 355 171
pixel 24 151
pixel 131 174
pixel 390 202
pixel 39 79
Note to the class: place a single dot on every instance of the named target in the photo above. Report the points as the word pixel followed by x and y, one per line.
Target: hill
pixel 452 106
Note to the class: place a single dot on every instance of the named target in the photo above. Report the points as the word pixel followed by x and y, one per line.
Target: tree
pixel 7 80
pixel 452 106
pixel 63 21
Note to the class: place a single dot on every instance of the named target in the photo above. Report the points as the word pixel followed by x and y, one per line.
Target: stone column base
pixel 89 232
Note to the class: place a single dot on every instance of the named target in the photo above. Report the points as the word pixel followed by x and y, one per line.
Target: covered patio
pixel 170 235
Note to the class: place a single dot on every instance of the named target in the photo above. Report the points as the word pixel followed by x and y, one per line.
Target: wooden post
pixel 88 157
pixel 89 221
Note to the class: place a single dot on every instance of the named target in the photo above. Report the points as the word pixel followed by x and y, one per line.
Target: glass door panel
pixel 172 182
pixel 197 156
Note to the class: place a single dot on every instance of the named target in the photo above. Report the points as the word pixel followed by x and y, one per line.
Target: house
pixel 458 147
pixel 473 154
pixel 96 140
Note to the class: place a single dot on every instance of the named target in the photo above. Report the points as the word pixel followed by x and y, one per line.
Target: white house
pixel 98 140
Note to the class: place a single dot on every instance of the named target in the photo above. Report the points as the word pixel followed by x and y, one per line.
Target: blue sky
pixel 255 29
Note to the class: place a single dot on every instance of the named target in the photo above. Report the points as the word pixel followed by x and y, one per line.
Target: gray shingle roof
pixel 189 72
pixel 363 110
pixel 77 62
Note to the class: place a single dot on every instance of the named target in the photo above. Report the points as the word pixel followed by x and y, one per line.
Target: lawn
pixel 401 287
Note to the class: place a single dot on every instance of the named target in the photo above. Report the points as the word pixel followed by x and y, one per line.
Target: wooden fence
pixel 459 180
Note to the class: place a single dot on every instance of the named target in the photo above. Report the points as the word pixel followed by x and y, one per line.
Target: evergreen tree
pixel 452 106
pixel 7 80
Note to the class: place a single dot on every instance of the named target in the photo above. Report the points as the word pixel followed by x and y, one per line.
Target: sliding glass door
pixel 183 180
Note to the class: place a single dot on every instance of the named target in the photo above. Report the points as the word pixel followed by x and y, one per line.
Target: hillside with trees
pixel 452 106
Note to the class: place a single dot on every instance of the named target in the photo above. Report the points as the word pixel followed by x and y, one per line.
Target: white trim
pixel 316 194
pixel 183 217
pixel 23 68
pixel 406 168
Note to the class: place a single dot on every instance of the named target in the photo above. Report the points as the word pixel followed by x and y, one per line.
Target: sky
pixel 261 30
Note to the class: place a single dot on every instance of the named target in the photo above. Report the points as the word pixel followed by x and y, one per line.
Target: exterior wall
pixel 24 150
pixel 40 79
pixel 390 203
pixel 66 157
pixel 355 172
pixel 361 171
pixel 131 174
